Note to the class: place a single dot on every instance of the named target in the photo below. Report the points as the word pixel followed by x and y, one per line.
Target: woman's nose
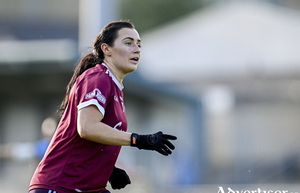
pixel 137 48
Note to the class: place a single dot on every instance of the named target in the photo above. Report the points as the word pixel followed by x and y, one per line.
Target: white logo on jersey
pixel 122 102
pixel 116 98
pixel 96 93
pixel 118 125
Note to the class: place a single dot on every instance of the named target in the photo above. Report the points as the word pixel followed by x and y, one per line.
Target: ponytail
pixel 85 63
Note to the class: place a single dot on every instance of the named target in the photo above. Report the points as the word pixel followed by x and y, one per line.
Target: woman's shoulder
pixel 98 69
pixel 93 73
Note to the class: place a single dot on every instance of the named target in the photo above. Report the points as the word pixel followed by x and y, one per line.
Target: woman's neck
pixel 112 68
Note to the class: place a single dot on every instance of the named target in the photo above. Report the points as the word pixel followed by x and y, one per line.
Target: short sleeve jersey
pixel 73 164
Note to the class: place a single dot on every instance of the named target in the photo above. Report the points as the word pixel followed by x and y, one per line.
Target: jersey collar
pixel 113 77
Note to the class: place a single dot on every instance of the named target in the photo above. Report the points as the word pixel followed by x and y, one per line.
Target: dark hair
pixel 107 35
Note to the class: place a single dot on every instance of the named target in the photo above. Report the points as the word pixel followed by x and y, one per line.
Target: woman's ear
pixel 105 49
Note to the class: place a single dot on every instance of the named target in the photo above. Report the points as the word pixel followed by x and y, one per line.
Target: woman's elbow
pixel 82 130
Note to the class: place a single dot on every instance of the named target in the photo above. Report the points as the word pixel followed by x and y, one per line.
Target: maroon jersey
pixel 73 164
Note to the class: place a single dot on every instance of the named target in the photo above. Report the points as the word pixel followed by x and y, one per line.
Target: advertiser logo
pixel 118 125
pixel 96 93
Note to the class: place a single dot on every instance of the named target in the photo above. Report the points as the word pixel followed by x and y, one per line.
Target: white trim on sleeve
pixel 91 102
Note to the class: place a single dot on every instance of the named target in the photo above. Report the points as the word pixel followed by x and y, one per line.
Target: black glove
pixel 118 179
pixel 157 141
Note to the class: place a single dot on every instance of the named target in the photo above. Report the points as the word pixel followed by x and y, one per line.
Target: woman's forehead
pixel 128 33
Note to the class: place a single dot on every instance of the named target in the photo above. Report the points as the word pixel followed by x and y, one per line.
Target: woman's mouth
pixel 134 60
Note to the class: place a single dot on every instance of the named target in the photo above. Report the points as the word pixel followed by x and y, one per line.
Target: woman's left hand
pixel 119 179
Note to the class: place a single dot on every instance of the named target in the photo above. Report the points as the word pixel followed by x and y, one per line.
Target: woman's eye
pixel 128 43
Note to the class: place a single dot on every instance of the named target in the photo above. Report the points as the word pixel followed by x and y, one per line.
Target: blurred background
pixel 222 75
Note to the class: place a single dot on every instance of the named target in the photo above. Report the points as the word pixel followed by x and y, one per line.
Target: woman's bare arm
pixel 89 127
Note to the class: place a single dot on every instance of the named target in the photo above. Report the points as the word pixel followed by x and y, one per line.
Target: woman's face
pixel 125 54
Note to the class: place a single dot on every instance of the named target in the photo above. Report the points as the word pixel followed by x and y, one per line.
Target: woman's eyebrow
pixel 130 38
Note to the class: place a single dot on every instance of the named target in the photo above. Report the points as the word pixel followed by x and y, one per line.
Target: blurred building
pixel 225 80
pixel 242 59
